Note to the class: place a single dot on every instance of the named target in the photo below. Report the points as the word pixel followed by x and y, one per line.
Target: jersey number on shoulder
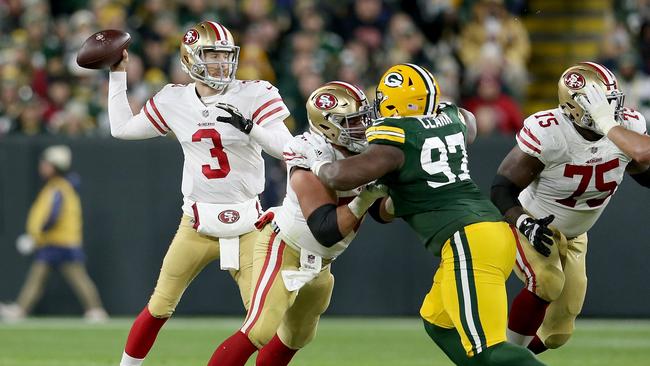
pixel 216 152
pixel 586 172
pixel 441 166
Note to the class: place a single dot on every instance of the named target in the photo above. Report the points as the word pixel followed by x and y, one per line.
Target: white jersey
pixel 222 164
pixel 579 176
pixel 295 231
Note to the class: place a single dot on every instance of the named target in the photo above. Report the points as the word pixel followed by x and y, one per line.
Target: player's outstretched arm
pixel 470 122
pixel 355 171
pixel 515 173
pixel 639 172
pixel 327 221
pixel 124 125
pixel 272 138
pixel 635 145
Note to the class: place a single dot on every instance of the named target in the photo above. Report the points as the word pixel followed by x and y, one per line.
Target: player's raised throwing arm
pixel 124 125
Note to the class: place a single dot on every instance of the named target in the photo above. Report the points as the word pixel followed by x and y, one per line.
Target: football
pixel 103 49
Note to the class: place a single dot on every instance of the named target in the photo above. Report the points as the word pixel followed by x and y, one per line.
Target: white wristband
pixel 359 206
pixel 316 167
pixel 520 219
pixel 606 124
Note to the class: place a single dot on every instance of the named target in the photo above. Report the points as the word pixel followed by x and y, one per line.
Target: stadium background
pixel 501 67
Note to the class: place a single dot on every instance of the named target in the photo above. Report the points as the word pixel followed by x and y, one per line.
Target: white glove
pixel 370 193
pixel 295 152
pixel 25 244
pixel 599 108
pixel 308 150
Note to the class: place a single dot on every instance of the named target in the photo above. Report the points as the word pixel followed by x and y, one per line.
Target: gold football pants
pixel 186 257
pixel 469 291
pixel 560 278
pixel 293 315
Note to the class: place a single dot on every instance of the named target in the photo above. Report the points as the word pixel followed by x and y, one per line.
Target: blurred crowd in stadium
pixel 477 49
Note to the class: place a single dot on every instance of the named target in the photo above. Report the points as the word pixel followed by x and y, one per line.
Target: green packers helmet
pixel 407 90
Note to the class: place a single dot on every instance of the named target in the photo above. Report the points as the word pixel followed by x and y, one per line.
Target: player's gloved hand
pixel 236 119
pixel 537 232
pixel 370 193
pixel 25 244
pixel 308 149
pixel 601 111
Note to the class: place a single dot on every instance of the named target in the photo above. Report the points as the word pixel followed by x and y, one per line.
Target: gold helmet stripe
pixel 432 95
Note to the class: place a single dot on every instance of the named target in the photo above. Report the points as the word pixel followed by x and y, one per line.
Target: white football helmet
pixel 340 112
pixel 202 38
pixel 572 84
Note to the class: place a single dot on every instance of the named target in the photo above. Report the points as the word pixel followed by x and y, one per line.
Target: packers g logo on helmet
pixel 407 90
pixel 393 80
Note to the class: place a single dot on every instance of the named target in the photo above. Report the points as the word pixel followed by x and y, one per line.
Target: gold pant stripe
pixel 271 267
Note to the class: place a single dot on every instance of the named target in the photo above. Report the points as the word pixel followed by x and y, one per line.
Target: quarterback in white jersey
pixel 299 240
pixel 553 186
pixel 222 124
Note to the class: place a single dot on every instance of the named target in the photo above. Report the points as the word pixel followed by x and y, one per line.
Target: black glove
pixel 537 232
pixel 236 119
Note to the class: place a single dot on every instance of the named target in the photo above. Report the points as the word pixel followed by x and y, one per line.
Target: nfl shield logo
pixel 311 259
pixel 594 150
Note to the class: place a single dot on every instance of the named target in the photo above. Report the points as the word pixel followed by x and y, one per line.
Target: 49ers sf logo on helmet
pixel 191 36
pixel 228 216
pixel 325 101
pixel 573 80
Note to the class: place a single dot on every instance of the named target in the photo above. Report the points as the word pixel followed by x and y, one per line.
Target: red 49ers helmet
pixel 340 112
pixel 198 42
pixel 573 83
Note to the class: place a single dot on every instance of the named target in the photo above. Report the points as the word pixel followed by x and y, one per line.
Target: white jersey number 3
pixel 442 164
pixel 216 152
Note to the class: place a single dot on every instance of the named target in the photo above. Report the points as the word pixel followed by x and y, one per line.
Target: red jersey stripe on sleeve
pixel 261 108
pixel 155 109
pixel 267 115
pixel 528 144
pixel 153 121
pixel 529 133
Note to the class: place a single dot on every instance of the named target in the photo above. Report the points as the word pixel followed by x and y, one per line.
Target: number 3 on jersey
pixel 216 152
pixel 445 170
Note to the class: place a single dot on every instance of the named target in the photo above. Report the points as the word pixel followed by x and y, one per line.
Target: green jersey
pixel 433 191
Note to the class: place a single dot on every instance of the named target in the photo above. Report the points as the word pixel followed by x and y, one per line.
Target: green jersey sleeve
pixel 386 131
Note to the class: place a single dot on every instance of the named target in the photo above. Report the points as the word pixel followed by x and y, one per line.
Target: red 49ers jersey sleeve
pixel 539 138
